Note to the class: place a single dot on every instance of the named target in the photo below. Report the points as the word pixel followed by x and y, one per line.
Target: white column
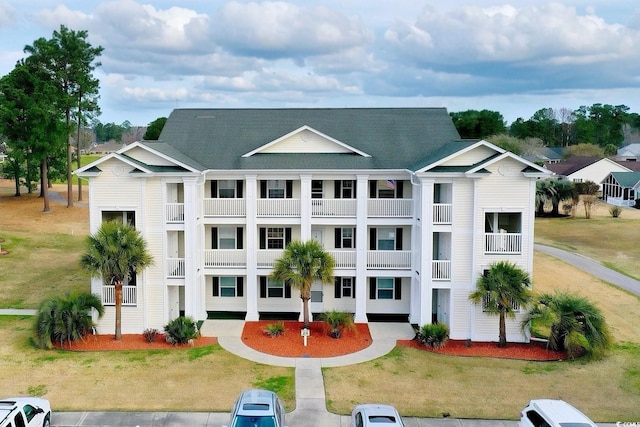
pixel 426 251
pixel 305 207
pixel 193 289
pixel 251 194
pixel 362 281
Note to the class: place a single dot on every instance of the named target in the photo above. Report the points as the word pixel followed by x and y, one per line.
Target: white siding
pixel 306 142
pixel 149 158
pixel 471 157
pixel 461 308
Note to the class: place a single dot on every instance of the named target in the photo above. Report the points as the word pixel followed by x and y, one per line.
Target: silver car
pixel 372 414
pixel 25 411
pixel 257 408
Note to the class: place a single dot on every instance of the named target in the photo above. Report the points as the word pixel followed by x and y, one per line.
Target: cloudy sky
pixel 511 56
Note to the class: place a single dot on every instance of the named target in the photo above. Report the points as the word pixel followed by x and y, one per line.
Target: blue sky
pixel 513 56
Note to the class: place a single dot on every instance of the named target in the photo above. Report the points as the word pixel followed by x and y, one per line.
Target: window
pixel 316 189
pixel 344 189
pixel 226 189
pixel 384 288
pixel 275 189
pixel 228 286
pixel 345 287
pixel 386 239
pixel 126 217
pixel 345 238
pixel 275 238
pixel 503 222
pixel 227 238
pixel 386 189
pixel 275 288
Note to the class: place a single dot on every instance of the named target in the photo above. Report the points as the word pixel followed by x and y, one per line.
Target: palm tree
pixel 574 323
pixel 300 265
pixel 115 252
pixel 545 192
pixel 502 290
pixel 65 319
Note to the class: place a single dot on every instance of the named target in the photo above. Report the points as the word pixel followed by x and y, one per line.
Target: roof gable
pixel 306 140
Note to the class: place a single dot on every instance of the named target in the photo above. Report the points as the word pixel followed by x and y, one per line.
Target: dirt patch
pixel 130 342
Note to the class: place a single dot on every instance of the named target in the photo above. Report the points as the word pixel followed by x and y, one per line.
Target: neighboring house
pixel 411 214
pixel 582 169
pixel 621 188
pixel 545 155
pixel 630 152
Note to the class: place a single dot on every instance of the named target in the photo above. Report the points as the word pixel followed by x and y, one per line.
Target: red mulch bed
pixel 130 342
pixel 519 351
pixel 319 343
pixel 291 343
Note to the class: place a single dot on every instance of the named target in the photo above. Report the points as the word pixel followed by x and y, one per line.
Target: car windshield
pixel 249 421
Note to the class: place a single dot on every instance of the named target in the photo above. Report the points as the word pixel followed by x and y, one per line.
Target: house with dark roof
pixel 411 214
pixel 583 169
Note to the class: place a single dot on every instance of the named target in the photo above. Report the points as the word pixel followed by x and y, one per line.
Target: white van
pixel 553 413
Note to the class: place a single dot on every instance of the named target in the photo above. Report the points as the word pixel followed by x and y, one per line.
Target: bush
pixel 433 335
pixel 150 334
pixel 615 211
pixel 64 319
pixel 181 330
pixel 274 329
pixel 337 321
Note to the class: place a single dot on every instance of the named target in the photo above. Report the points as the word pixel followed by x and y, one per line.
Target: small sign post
pixel 305 333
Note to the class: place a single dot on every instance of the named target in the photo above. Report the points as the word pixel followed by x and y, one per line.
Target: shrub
pixel 433 335
pixel 615 211
pixel 337 321
pixel 64 319
pixel 150 334
pixel 274 329
pixel 180 330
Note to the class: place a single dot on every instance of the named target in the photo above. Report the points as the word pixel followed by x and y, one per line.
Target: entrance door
pixel 440 306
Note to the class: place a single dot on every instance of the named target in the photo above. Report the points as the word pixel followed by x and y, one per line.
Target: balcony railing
pixel 442 213
pixel 175 268
pixel 129 295
pixel 390 207
pixel 333 207
pixel 278 207
pixel 225 207
pixel 225 258
pixel 175 212
pixel 267 257
pixel 389 259
pixel 441 269
pixel 344 259
pixel 502 243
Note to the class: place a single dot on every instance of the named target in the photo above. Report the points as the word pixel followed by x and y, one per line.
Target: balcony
pixel 225 207
pixel 440 269
pixel 333 207
pixel 278 207
pixel 129 295
pixel 174 213
pixel 175 268
pixel 389 259
pixel 344 259
pixel 225 258
pixel 390 208
pixel 502 243
pixel 442 213
pixel 266 258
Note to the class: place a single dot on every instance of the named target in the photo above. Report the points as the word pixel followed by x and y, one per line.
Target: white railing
pixel 442 213
pixel 389 259
pixel 502 243
pixel 175 212
pixel 267 257
pixel 333 207
pixel 390 207
pixel 225 258
pixel 129 295
pixel 278 207
pixel 225 207
pixel 343 259
pixel 619 201
pixel 440 269
pixel 175 267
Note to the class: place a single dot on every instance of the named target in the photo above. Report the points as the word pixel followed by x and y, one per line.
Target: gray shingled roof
pixel 396 138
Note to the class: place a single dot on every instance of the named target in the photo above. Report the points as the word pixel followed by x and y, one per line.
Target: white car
pixel 373 414
pixel 552 413
pixel 25 411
